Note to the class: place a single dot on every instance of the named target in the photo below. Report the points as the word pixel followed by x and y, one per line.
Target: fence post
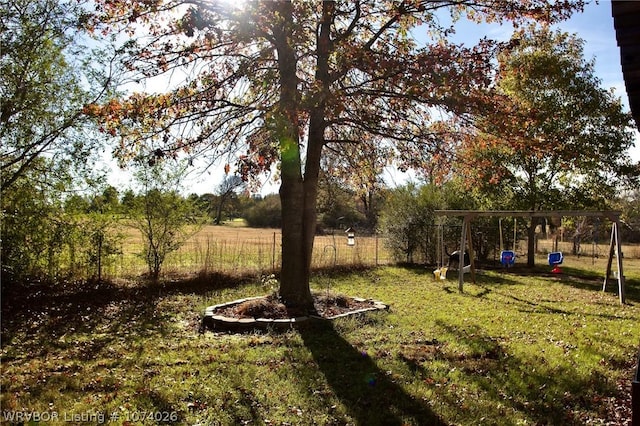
pixel 273 253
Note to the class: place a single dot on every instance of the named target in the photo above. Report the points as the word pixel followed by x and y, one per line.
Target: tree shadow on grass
pixel 87 337
pixel 40 313
pixel 580 279
pixel 576 278
pixel 544 392
pixel 538 306
pixel 369 395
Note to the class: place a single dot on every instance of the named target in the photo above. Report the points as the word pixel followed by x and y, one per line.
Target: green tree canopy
pixel 228 189
pixel 46 81
pixel 165 219
pixel 409 220
pixel 561 139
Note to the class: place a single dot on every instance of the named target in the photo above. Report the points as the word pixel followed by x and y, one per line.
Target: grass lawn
pixel 517 347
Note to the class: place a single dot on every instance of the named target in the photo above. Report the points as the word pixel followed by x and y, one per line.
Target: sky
pixel 594 26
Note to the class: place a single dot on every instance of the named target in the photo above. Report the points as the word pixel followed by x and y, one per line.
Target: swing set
pixel 507 257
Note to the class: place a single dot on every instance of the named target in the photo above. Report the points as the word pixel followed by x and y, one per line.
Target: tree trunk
pixel 219 210
pixel 296 247
pixel 294 276
pixel 298 192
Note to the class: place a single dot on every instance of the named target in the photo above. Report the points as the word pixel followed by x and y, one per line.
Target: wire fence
pixel 593 249
pixel 251 251
pixel 248 254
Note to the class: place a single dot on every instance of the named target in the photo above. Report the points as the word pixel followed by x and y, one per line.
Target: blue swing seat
pixel 555 258
pixel 507 258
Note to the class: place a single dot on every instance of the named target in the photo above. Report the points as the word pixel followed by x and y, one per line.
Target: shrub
pixel 266 213
pixel 409 222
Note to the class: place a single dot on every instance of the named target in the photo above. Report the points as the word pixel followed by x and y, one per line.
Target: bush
pixel 409 222
pixel 48 234
pixel 266 213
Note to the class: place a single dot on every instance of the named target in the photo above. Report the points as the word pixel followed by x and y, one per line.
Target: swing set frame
pixel 615 245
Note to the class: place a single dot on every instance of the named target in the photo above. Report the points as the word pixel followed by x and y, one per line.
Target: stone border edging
pixel 212 321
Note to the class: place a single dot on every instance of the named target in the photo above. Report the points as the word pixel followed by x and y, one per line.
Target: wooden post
pixel 441 244
pixel 438 246
pixel 471 254
pixel 616 227
pixel 615 249
pixel 609 259
pixel 463 239
pixel 376 249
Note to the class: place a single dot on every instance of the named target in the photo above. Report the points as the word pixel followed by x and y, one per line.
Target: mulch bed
pixel 270 307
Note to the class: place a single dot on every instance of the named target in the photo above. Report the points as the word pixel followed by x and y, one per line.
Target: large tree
pixel 46 77
pixel 560 140
pixel 282 80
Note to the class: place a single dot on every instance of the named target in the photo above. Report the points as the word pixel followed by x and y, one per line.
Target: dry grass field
pixel 234 248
